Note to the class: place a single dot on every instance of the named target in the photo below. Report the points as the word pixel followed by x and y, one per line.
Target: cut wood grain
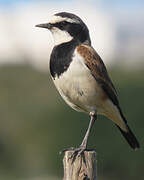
pixel 82 168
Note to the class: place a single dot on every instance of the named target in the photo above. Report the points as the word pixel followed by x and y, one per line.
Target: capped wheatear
pixel 80 75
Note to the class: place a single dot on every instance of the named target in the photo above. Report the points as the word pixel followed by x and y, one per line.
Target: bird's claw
pixel 76 152
pixel 66 149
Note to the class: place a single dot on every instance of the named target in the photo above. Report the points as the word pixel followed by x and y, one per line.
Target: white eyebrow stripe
pixel 56 19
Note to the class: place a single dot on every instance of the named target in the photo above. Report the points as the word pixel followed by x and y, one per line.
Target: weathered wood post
pixel 83 167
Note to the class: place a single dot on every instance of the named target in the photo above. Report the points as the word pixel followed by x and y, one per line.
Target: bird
pixel 81 77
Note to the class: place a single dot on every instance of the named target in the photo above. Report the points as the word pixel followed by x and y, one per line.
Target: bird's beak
pixel 46 25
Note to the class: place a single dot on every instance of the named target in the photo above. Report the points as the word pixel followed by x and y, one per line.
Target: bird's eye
pixel 63 23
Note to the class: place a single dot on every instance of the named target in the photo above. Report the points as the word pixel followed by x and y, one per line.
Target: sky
pixel 105 3
pixel 126 4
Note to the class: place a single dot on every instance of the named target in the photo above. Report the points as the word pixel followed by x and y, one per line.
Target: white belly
pixel 81 91
pixel 79 88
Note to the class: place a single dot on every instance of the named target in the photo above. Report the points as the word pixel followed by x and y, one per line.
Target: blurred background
pixel 35 123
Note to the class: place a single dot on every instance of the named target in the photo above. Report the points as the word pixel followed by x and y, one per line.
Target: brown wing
pixel 98 70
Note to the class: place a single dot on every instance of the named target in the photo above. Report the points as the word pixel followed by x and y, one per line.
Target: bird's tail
pixel 130 138
pixel 128 135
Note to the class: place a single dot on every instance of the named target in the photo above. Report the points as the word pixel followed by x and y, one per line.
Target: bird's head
pixel 66 27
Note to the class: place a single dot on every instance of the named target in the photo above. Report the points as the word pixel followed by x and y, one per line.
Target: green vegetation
pixel 36 124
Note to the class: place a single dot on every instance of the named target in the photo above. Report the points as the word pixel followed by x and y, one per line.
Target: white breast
pixel 78 87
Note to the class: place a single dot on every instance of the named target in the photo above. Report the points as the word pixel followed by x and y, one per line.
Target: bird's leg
pixel 92 120
pixel 78 151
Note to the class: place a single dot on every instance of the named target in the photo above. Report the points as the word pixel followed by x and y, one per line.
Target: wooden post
pixel 83 167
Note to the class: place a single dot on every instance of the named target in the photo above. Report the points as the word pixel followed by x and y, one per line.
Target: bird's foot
pixel 66 149
pixel 76 152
